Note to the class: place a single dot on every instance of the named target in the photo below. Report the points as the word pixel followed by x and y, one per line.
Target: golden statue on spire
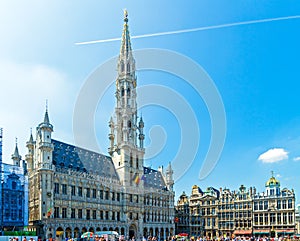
pixel 125 15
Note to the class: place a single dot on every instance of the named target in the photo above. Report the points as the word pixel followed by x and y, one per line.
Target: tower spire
pixel 126 63
pixel 125 131
pixel 46 117
pixel 126 44
pixel 16 156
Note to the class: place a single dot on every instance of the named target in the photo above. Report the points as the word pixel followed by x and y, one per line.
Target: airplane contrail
pixel 226 25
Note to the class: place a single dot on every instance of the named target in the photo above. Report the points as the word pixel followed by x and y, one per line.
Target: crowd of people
pixel 237 238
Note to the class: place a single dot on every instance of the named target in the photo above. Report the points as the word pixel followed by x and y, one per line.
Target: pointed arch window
pixel 128 68
pixel 122 66
pixel 122 92
pixel 128 92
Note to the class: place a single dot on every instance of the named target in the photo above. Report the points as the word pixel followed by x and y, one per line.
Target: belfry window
pixel 122 92
pixel 128 92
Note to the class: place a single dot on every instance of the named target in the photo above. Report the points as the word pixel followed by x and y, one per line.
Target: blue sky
pixel 255 68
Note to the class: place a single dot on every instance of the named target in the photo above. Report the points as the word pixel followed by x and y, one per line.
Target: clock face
pixel 49 194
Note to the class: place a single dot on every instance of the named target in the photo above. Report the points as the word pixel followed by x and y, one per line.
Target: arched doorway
pixel 111 229
pixel 76 232
pixel 162 234
pixel 117 230
pixel 68 232
pixel 122 231
pixel 167 233
pixel 132 231
pixel 59 233
pixel 105 229
pixel 145 233
pixel 151 232
pixel 83 230
pixel 98 229
pixel 49 233
pixel 91 229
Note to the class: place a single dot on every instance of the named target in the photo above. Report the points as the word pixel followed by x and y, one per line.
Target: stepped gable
pixel 79 159
pixel 153 178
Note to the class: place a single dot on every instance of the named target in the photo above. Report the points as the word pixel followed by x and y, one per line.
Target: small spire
pixel 141 119
pixel 46 117
pixel 169 168
pixel 272 173
pixel 31 137
pixel 16 153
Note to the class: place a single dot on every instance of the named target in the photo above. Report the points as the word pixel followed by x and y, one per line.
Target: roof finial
pixel 125 16
pixel 272 173
pixel 16 140
pixel 47 105
pixel 31 137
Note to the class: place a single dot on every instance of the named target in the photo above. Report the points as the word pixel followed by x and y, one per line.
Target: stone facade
pixel 274 210
pixel 242 212
pixel 73 190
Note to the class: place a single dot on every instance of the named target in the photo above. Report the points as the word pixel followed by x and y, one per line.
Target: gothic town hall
pixel 73 190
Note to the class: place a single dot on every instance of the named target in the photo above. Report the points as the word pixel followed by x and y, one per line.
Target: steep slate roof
pixel 153 178
pixel 79 159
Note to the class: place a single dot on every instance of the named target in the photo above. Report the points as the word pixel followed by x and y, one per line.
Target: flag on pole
pixel 143 178
pixel 49 212
pixel 137 179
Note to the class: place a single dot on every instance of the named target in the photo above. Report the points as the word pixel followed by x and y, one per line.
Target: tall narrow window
pixel 73 192
pixel 131 160
pixel 64 189
pixel 56 188
pixel 79 213
pixel 128 92
pixel 88 214
pixel 64 212
pixel 56 212
pixel 94 193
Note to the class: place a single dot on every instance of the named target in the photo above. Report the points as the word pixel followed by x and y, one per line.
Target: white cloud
pixel 24 90
pixel 273 155
pixel 278 175
pixel 296 158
